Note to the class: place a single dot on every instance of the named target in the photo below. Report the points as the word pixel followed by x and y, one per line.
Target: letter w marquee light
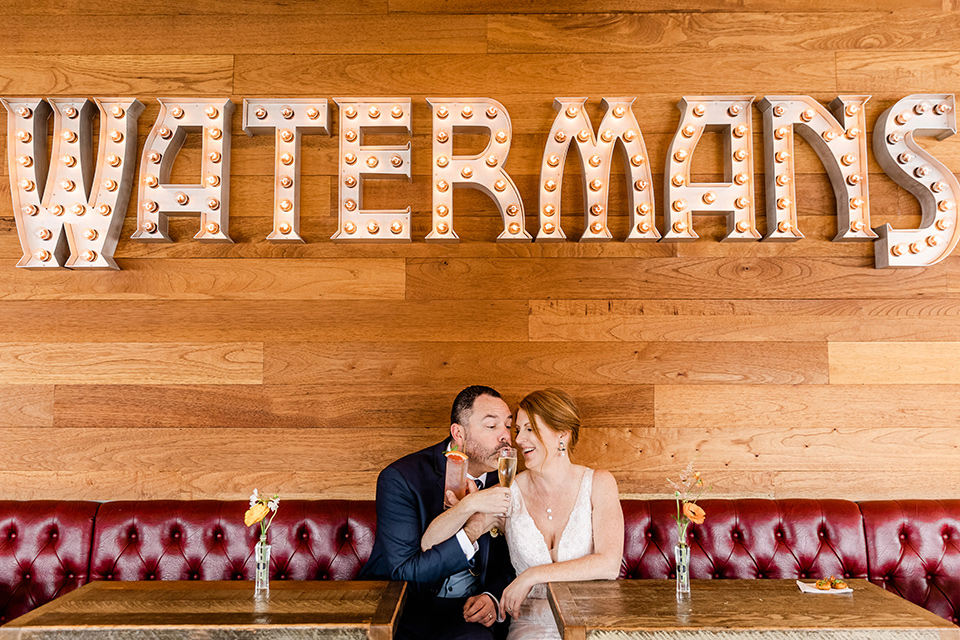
pixel 69 210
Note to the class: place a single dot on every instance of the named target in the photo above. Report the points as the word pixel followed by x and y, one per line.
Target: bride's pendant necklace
pixel 542 501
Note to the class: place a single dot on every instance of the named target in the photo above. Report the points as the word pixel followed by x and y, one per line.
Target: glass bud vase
pixel 681 553
pixel 261 590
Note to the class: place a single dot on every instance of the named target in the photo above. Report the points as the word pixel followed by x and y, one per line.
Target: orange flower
pixel 694 513
pixel 255 514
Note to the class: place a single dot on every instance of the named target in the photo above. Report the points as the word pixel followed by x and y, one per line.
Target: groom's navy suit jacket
pixel 409 497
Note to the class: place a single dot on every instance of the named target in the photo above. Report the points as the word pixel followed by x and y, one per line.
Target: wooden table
pixel 169 610
pixel 738 610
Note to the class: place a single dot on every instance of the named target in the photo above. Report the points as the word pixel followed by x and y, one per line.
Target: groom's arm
pixel 399 528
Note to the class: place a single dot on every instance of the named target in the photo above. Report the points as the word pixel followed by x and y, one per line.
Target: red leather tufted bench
pixel 914 551
pixel 50 548
pixel 44 552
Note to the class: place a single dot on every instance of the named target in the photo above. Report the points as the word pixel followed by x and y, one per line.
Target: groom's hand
pixel 480 609
pixel 479 524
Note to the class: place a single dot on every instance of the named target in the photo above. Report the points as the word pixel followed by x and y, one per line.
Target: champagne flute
pixel 507 470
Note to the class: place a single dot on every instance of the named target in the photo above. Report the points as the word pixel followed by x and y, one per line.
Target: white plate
pixel 812 588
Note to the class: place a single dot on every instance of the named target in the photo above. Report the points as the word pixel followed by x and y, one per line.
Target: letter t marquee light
pixel 483 171
pixel 73 207
pixel 733 117
pixel 288 119
pixel 157 198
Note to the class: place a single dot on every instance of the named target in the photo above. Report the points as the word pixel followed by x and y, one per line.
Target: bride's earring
pixel 562 448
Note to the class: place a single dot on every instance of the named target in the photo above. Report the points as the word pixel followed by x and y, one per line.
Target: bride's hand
pixel 514 595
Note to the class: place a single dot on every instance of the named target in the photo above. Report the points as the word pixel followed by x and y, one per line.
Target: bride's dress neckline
pixel 553 552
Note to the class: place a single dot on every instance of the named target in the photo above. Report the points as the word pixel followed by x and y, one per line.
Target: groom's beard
pixel 485 456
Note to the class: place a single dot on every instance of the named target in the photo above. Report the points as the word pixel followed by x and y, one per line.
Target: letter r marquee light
pixel 69 208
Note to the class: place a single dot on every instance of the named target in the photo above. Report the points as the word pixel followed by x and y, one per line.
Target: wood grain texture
pixel 745 320
pixel 116 363
pixel 718 278
pixel 834 406
pixel 546 364
pixel 209 279
pixel 894 363
pixel 765 361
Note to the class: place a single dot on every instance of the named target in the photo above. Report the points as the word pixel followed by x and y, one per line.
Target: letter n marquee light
pixel 157 198
pixel 483 171
pixel 69 213
pixel 618 125
pixel 731 116
pixel 288 120
pixel 359 162
pixel 841 144
pixel 914 169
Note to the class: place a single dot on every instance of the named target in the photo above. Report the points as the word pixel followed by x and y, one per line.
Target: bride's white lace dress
pixel 529 549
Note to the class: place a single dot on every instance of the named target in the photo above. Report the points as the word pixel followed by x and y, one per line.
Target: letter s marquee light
pixel 69 213
pixel 73 209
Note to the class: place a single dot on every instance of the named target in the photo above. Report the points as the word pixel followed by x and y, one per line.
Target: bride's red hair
pixel 555 409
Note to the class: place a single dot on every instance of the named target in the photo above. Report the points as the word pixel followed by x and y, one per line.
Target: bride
pixel 565 521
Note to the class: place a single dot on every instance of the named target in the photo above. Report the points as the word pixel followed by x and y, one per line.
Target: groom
pixel 454 587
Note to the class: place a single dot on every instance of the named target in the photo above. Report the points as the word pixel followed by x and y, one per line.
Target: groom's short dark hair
pixel 463 404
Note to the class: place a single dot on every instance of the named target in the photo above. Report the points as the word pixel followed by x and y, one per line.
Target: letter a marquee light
pixel 69 205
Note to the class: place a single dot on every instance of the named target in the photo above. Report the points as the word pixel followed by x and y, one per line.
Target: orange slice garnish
pixel 456 454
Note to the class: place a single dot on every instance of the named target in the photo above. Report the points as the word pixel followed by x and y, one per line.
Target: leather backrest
pixel 914 551
pixel 748 538
pixel 44 552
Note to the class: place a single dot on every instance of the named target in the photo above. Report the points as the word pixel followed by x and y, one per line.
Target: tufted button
pixel 109 576
pixel 649 534
pixel 846 575
pixel 903 536
pixel 716 576
pixel 13 534
pixel 346 535
pixel 70 576
pixel 820 533
pixel 929 577
pixel 238 577
pixel 283 576
pixel 803 574
pixel 26 576
pixel 304 535
pixel 218 535
pixel 672 576
pixel 946 536
pixel 133 535
pixel 176 535
pixel 736 535
pixel 54 535
pixel 779 534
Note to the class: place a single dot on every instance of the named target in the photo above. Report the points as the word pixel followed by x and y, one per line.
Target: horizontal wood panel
pixel 246 321
pixel 722 32
pixel 455 74
pixel 207 279
pixel 32 405
pixel 548 364
pixel 682 278
pixel 188 7
pixel 117 363
pixel 745 320
pixel 327 406
pixel 907 72
pixel 641 6
pixel 101 75
pixel 859 407
pixel 229 32
pixel 894 363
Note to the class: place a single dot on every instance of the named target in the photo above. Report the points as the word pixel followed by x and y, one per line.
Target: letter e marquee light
pixel 914 169
pixel 68 212
pixel 359 162
pixel 157 198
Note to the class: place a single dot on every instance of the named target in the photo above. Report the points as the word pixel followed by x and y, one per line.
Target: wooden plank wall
pixel 205 370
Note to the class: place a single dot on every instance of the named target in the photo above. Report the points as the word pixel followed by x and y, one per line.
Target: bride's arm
pixel 602 564
pixel 488 502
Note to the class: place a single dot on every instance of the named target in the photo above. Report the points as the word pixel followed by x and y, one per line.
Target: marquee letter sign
pixel 483 171
pixel 359 161
pixel 914 169
pixel 68 212
pixel 841 144
pixel 156 198
pixel 618 125
pixel 288 120
pixel 732 117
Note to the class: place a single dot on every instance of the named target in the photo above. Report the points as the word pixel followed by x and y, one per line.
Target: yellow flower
pixel 255 514
pixel 694 513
